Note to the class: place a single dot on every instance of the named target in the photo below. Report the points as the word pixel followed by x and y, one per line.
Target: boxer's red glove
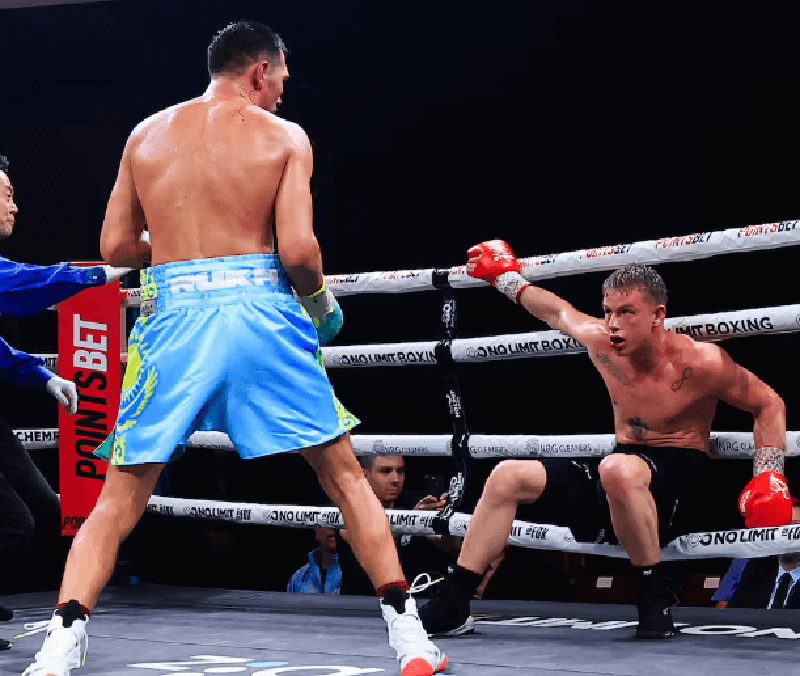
pixel 765 501
pixel 494 262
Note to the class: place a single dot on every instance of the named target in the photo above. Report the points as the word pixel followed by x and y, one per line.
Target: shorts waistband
pixel 211 281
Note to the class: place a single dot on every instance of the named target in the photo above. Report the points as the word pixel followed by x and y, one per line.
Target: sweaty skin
pixel 213 177
pixel 664 388
pixel 205 175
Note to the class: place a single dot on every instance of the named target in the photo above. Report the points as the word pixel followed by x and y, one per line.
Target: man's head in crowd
pixel 386 474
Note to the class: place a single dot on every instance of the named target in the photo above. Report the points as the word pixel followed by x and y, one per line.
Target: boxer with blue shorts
pixel 223 186
pixel 222 344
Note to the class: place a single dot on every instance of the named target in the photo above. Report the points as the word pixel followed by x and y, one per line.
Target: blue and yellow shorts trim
pixel 223 345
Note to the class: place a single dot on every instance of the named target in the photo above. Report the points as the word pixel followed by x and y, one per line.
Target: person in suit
pixel 770 582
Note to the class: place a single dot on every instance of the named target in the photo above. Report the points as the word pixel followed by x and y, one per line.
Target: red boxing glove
pixel 494 262
pixel 765 501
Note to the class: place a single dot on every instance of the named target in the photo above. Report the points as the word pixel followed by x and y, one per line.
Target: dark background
pixel 555 125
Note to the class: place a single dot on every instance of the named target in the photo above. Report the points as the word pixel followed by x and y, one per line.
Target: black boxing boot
pixel 447 613
pixel 655 601
pixel 6 614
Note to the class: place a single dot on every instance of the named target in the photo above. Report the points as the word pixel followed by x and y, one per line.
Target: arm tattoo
pixel 768 459
pixel 638 426
pixel 613 369
pixel 678 384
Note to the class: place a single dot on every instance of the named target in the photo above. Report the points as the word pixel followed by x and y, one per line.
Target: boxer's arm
pixel 560 314
pixel 740 388
pixel 121 242
pixel 297 246
pixel 494 262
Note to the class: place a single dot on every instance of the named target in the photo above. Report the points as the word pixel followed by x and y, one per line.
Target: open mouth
pixel 617 341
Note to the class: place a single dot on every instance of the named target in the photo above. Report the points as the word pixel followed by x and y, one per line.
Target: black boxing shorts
pixel 575 498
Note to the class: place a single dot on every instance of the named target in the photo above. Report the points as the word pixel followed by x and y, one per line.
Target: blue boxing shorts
pixel 221 344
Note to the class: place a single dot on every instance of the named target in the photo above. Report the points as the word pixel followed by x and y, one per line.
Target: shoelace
pixel 418 586
pixel 33 628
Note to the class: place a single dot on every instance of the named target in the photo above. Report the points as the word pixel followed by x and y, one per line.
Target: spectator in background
pixel 768 582
pixel 386 475
pixel 321 575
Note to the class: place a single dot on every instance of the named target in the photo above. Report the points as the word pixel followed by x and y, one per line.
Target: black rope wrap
pixel 462 460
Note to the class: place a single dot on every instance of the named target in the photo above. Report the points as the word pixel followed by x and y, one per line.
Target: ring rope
pixel 706 327
pixel 724 445
pixel 739 543
pixel 547 266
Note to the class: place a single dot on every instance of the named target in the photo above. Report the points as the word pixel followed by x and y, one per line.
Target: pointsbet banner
pixel 88 354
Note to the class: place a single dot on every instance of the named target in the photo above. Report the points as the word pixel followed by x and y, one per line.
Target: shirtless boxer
pixel 222 344
pixel 664 389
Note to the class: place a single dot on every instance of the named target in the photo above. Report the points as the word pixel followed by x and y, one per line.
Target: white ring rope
pixel 740 543
pixel 664 250
pixel 724 445
pixel 707 327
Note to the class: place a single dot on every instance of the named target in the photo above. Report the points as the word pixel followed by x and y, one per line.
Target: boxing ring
pixel 190 631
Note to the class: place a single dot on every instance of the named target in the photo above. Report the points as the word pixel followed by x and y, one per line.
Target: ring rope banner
pixel 739 543
pixel 724 445
pixel 547 266
pixel 706 327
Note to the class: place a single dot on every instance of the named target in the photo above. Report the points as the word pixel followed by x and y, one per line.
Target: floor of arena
pixel 153 629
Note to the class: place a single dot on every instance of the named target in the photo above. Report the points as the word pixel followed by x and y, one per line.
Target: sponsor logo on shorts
pixel 213 280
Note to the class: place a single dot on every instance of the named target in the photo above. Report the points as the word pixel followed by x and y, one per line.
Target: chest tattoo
pixel 638 426
pixel 613 369
pixel 678 384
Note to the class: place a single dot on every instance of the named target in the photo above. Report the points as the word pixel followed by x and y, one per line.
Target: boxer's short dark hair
pixel 638 276
pixel 4 164
pixel 241 43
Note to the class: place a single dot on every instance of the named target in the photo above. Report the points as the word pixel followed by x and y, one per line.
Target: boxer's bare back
pixel 205 174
